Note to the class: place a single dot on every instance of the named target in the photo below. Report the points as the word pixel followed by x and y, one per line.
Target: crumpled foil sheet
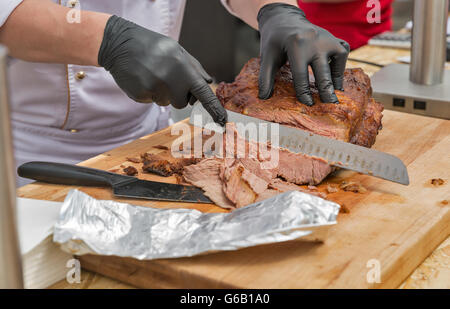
pixel 90 226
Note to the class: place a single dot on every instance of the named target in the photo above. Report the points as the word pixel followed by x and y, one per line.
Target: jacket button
pixel 73 130
pixel 80 75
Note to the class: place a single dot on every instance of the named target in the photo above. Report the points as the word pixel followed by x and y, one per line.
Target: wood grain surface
pixel 396 225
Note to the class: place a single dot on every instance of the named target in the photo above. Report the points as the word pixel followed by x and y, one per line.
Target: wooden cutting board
pixel 394 225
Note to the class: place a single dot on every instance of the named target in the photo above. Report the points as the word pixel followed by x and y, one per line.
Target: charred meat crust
pixel 164 164
pixel 357 118
pixel 130 171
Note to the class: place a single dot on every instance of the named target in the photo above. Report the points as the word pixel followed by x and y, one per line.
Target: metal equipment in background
pixel 10 257
pixel 424 86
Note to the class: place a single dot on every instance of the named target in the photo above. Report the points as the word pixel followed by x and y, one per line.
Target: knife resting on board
pixel 122 185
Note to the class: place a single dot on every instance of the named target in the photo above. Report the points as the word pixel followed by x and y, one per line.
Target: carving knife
pixel 337 153
pixel 122 185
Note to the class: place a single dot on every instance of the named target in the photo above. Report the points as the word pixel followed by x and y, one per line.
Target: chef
pixel 89 75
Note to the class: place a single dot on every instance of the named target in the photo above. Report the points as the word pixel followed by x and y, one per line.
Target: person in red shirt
pixel 354 21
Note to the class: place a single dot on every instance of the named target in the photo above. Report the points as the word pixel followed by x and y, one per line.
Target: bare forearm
pixel 39 31
pixel 248 10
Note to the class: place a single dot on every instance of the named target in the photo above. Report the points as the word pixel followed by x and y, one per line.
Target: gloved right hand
pixel 286 34
pixel 150 67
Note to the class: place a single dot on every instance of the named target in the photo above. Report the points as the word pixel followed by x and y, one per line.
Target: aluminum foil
pixel 90 226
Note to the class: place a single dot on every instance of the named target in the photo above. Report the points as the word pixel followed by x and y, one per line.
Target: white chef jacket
pixel 69 113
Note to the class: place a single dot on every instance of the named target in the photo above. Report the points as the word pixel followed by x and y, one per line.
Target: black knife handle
pixel 68 174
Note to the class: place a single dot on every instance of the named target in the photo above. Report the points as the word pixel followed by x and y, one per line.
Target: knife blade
pixel 337 153
pixel 122 185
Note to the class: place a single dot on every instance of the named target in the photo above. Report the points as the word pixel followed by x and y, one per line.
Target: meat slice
pixel 293 167
pixel 244 180
pixel 302 169
pixel 130 171
pixel 206 175
pixel 234 182
pixel 357 118
pixel 237 185
pixel 229 183
pixel 164 164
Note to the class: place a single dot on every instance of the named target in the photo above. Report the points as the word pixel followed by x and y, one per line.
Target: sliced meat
pixel 234 183
pixel 243 180
pixel 284 186
pixel 302 169
pixel 293 167
pixel 205 175
pixel 240 178
pixel 134 160
pixel 277 186
pixel 356 119
pixel 237 185
pixel 130 171
pixel 164 164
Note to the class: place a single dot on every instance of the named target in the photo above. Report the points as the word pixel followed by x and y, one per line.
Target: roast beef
pixel 357 117
pixel 164 164
pixel 206 175
pixel 229 184
pixel 240 180
pixel 302 169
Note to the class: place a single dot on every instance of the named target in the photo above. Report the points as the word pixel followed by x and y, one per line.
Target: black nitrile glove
pixel 286 34
pixel 150 67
